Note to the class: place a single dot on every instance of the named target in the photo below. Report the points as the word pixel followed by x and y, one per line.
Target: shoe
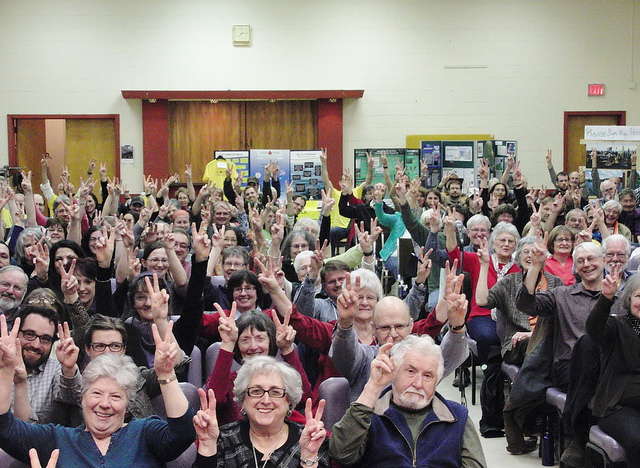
pixel 493 433
pixel 573 456
pixel 529 446
pixel 466 378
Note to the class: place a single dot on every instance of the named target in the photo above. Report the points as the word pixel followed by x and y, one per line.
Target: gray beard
pixel 7 304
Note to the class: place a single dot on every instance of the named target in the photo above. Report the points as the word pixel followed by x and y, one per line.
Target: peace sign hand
pixel 167 351
pixel 483 252
pixel 382 368
pixel 424 265
pixel 347 302
pixel 35 462
pixel 206 424
pixel 610 282
pixel 159 298
pixel 68 283
pixel 314 433
pixel 201 243
pixel 67 351
pixel 227 327
pixel 285 334
pixel 9 347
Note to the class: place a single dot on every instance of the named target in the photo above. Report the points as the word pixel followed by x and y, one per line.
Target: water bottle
pixel 548 458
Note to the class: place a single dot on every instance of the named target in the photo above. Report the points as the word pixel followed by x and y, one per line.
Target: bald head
pixel 391 320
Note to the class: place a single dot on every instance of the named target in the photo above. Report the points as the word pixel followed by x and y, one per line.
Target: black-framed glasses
pixel 240 290
pixel 258 392
pixel 114 347
pixel 30 335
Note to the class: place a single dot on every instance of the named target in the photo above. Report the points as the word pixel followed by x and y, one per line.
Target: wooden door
pixel 88 139
pixel 574 123
pixel 281 125
pixel 198 128
pixel 31 144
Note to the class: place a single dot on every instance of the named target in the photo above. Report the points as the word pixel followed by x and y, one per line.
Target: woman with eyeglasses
pixel 253 334
pixel 560 247
pixel 267 391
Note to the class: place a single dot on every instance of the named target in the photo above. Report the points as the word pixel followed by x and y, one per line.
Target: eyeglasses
pixel 155 261
pixel 40 300
pixel 93 240
pixel 242 289
pixel 615 254
pixel 114 347
pixel 6 285
pixel 300 246
pixel 477 230
pixel 505 241
pixel 563 239
pixel 258 392
pixel 388 328
pixel 141 297
pixel 233 265
pixel 30 335
pixel 336 281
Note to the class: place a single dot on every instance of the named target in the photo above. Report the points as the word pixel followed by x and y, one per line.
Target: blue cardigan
pixel 148 442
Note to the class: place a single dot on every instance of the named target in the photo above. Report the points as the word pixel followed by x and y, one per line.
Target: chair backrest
pixel 189 390
pixel 194 374
pixel 335 390
pixel 8 461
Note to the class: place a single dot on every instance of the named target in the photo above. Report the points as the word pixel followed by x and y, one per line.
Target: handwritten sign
pixel 613 133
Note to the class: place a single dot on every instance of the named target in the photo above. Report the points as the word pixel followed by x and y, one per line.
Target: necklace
pixel 275 446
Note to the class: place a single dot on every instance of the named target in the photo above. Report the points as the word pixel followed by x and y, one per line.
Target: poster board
pixel 306 173
pixel 612 155
pixel 259 158
pixel 240 159
pixel 412 163
pixel 394 156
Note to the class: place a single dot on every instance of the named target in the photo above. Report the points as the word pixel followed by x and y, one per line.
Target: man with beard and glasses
pixel 13 287
pixel 37 333
pixel 406 423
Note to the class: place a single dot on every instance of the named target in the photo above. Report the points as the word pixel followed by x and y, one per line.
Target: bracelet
pixel 385 167
pixel 309 461
pixel 103 281
pixel 173 378
pixel 366 254
pixel 459 327
pixel 89 173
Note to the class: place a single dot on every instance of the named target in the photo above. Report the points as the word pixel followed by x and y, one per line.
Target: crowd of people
pixel 104 297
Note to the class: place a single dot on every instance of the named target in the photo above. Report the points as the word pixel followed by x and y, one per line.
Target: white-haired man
pixel 406 423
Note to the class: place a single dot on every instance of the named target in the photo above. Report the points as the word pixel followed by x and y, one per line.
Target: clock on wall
pixel 242 34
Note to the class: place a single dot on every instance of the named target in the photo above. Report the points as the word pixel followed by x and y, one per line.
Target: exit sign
pixel 596 90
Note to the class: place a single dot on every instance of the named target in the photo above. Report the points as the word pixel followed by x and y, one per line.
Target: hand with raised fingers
pixel 227 326
pixel 483 252
pixel 327 203
pixel 382 368
pixel 285 334
pixel 323 156
pixel 483 170
pixel 435 222
pixel 456 304
pixel 20 373
pixel 267 276
pixel 201 243
pixel 9 347
pixel 610 282
pixel 159 298
pixel 217 239
pixel 41 259
pixel 449 222
pixel 205 423
pixel 451 276
pixel 314 433
pixel 35 461
pixel 375 231
pixel 6 194
pixel 586 234
pixel 594 158
pixel 67 352
pixel 26 182
pixel 166 353
pixel 347 302
pixel 135 266
pixel 401 193
pixel 548 159
pixel 68 282
pixel 317 260
pixel 424 265
pixel 105 247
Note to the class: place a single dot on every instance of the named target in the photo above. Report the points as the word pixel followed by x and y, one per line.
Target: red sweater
pixel 472 266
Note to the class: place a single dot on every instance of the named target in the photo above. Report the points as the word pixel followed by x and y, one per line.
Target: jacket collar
pixel 438 406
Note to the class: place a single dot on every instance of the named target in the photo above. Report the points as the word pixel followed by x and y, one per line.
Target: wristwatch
pixel 309 461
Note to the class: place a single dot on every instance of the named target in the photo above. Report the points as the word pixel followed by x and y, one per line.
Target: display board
pixel 394 156
pixel 259 158
pixel 241 161
pixel 306 173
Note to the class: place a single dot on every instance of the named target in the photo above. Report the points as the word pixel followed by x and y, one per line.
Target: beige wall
pixel 537 58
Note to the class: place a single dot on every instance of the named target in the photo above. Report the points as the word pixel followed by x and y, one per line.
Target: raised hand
pixel 586 234
pixel 159 298
pixel 105 246
pixel 267 277
pixel 424 265
pixel 206 424
pixel 457 303
pixel 317 259
pixel 347 302
pixel 68 282
pixel 483 252
pixel 548 158
pixel 483 170
pixel 26 181
pixel 41 259
pixel 285 334
pixel 35 462
pixel 323 156
pixel 227 326
pixel 217 239
pixel 166 353
pixel 134 264
pixel 314 433
pixel 9 346
pixel 67 351
pixel 327 203
pixel 610 282
pixel 451 276
pixel 382 368
pixel 201 243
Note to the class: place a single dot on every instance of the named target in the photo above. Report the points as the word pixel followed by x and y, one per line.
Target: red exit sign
pixel 596 90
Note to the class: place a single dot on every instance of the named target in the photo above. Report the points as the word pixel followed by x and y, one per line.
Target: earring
pixel 243 412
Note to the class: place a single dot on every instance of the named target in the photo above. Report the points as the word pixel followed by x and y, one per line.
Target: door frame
pixel 13 157
pixel 622 120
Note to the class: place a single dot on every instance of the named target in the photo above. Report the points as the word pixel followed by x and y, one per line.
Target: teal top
pixel 395 223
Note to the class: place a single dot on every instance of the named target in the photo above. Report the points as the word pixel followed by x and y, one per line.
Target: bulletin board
pixel 259 158
pixel 394 156
pixel 240 159
pixel 306 173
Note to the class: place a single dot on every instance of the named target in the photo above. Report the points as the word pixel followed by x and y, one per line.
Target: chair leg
pixel 473 379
